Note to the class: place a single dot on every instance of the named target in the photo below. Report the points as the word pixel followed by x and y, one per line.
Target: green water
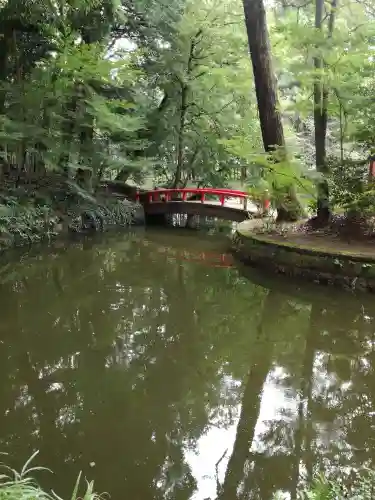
pixel 162 371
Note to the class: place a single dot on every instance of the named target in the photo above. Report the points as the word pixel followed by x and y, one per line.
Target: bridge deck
pixel 215 209
pixel 229 204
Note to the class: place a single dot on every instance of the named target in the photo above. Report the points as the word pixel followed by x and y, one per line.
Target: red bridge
pixel 227 204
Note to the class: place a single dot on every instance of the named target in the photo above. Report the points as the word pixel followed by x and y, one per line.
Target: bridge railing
pixel 165 195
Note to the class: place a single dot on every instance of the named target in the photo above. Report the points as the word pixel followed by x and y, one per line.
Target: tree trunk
pixel 266 90
pixel 320 124
pixel 181 132
pixel 321 116
pixel 67 133
pixel 264 78
pixel 303 432
pixel 5 44
pixel 86 175
pixel 261 353
pixel 185 106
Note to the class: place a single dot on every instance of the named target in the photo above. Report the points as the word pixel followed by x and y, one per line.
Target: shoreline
pixel 326 264
pixel 62 209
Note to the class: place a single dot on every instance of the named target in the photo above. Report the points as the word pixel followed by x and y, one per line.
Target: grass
pixel 21 485
pixel 362 487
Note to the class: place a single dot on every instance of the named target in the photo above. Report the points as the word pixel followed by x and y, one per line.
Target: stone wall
pixel 348 272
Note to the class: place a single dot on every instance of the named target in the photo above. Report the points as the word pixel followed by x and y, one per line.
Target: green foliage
pixel 21 486
pixel 350 188
pixel 135 89
pixel 362 488
pixel 321 489
pixel 203 80
pixel 346 75
pixel 67 111
pixel 21 224
pixel 179 81
pixel 30 217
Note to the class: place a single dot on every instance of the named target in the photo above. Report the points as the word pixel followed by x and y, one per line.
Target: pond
pixel 163 370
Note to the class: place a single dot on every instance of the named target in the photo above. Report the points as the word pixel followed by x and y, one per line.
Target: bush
pixel 349 187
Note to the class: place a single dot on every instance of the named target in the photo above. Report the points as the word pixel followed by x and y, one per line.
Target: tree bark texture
pixel 320 122
pixel 264 78
pixel 266 92
pixel 321 114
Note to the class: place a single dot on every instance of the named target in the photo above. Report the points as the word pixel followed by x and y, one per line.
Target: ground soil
pixel 320 241
pixel 327 243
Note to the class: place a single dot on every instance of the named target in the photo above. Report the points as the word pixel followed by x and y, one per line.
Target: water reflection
pixel 163 377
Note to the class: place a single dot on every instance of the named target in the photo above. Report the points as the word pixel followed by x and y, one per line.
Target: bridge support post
pixel 192 222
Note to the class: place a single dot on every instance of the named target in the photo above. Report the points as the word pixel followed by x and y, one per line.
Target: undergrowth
pixel 21 486
pixel 29 215
pixel 16 485
pixel 360 487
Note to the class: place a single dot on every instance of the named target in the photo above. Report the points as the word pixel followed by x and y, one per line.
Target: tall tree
pixel 264 78
pixel 321 112
pixel 202 75
pixel 266 93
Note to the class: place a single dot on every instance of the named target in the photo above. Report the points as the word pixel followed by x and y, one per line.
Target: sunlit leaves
pixel 347 69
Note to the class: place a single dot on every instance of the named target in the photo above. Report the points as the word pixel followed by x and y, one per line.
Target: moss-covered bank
pixel 30 214
pixel 340 267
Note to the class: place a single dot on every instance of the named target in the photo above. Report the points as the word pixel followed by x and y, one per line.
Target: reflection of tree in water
pixel 324 365
pixel 246 472
pixel 117 357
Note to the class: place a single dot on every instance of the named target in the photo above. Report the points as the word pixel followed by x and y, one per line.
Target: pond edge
pixel 45 225
pixel 341 269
